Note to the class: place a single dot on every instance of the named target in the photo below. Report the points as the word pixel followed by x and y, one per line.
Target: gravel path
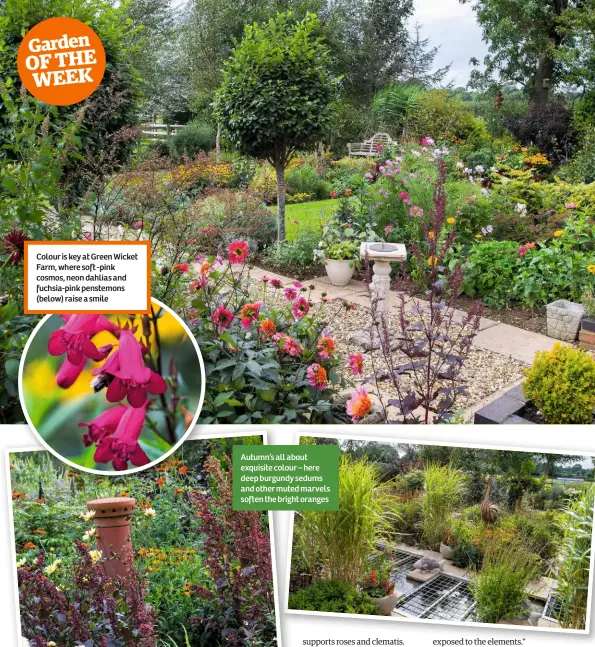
pixel 485 372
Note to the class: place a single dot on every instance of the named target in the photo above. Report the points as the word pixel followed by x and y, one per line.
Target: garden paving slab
pixel 513 342
pixel 541 589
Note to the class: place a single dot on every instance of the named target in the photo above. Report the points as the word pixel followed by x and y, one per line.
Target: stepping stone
pixel 422 576
pixel 541 589
pixel 513 342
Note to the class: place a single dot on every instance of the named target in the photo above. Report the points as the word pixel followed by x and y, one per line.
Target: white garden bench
pixel 368 147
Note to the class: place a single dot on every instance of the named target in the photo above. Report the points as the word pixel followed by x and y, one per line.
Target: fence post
pixel 167 131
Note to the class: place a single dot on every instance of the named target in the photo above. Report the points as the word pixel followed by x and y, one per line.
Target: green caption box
pixel 286 477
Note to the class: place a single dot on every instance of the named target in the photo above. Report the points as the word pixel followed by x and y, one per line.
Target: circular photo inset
pixel 112 393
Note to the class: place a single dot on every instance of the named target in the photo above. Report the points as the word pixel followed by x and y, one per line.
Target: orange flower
pixel 268 328
pixel 161 481
pixel 325 347
pixel 205 268
pixel 180 491
pixel 29 545
pixel 183 469
pixel 39 532
pixel 359 405
pixel 39 500
pixel 17 495
pixel 347 192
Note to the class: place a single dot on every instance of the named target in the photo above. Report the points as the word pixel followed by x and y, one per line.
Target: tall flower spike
pixel 104 425
pixel 132 379
pixel 74 339
pixel 122 447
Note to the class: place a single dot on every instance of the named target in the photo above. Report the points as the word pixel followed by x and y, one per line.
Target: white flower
pixel 416 153
pixel 149 512
pixel 89 534
pixel 479 168
pixel 87 516
pixel 460 165
pixel 445 150
pixel 494 169
pixel 51 644
pixel 485 191
pixel 21 562
pixel 95 555
pixel 521 209
pixel 468 171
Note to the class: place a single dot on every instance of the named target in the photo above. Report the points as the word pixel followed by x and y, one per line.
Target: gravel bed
pixel 484 372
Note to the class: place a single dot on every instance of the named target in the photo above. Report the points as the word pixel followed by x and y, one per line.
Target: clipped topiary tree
pixel 277 94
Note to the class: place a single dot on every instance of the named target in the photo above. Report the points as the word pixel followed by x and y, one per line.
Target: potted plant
pixel 381 589
pixel 340 261
pixel 448 545
pixel 587 333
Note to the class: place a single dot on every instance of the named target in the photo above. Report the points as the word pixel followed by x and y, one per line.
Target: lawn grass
pixel 306 216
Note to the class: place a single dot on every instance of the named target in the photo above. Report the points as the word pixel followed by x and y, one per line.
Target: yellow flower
pixel 89 534
pixel 558 233
pixel 52 567
pixel 51 644
pixel 477 235
pixel 431 235
pixel 591 269
pixel 432 260
pixel 87 516
pixel 95 555
pixel 451 220
pixel 21 562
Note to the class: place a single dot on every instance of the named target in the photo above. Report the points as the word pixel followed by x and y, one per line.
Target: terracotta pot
pixel 339 272
pixel 114 540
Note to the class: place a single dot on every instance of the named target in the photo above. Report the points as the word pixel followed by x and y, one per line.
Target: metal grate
pixel 404 562
pixel 553 609
pixel 444 597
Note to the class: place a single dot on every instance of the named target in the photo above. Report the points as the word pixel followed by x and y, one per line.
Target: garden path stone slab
pixel 541 589
pixel 513 342
pixel 422 576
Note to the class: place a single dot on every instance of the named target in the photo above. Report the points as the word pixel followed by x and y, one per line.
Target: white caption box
pixel 74 277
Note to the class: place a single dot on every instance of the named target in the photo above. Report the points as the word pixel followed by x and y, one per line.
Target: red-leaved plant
pixel 95 612
pixel 239 561
pixel 434 341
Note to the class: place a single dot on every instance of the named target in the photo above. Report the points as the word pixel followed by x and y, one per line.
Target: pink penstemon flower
pixel 74 339
pixel 105 424
pixel 133 380
pixel 122 446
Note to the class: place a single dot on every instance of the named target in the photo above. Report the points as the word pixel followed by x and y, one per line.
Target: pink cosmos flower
pixel 416 211
pixel 87 236
pixel 139 224
pixel 317 376
pixel 300 308
pixel 276 283
pixel 237 251
pixel 122 447
pixel 570 205
pixel 132 380
pixel 222 317
pixel 74 339
pixel 356 363
pixel 403 195
pixel 388 229
pixel 264 278
pixel 290 294
pixel 297 284
pixel 105 424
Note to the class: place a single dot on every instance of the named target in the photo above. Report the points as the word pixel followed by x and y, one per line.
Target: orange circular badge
pixel 61 61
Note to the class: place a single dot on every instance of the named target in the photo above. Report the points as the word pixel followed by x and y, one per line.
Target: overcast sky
pixel 453 27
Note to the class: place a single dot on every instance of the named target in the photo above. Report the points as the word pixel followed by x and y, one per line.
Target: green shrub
pixel 305 179
pixel 299 251
pixel 582 166
pixel 491 270
pixel 411 481
pixel 333 597
pixel 561 384
pixel 192 140
pixel 500 587
pixel 482 157
pixel 467 555
pixel 438 114
pixel 539 531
